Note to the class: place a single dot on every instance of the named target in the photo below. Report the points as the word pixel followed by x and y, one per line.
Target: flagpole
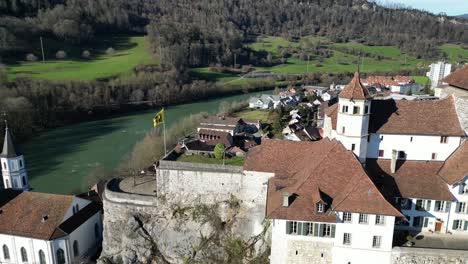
pixel 164 128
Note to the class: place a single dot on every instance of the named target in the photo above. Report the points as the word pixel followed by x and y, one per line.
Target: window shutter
pixel 466 226
pixel 458 207
pixel 288 227
pixel 316 229
pixel 333 230
pixel 299 228
pixel 305 229
pixel 426 221
pixel 454 226
pixel 428 205
pixel 321 230
pixel 447 206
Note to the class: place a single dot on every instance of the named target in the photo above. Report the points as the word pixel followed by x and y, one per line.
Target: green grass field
pixel 129 52
pixel 252 114
pixel 234 161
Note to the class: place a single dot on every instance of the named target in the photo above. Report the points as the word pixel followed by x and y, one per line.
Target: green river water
pixel 58 160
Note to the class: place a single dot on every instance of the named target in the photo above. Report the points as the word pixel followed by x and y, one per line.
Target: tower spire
pixel 9 150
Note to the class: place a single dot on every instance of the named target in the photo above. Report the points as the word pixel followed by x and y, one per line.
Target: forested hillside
pixel 213 30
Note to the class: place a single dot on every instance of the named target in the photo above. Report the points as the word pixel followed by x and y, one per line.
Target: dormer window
pixel 320 207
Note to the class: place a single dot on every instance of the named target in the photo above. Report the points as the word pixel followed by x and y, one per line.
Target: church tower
pixel 354 107
pixel 13 167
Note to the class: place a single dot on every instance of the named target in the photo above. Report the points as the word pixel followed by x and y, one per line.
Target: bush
pixel 86 54
pixel 219 151
pixel 61 55
pixel 31 57
pixel 110 51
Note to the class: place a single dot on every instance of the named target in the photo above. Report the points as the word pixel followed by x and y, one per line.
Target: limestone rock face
pixel 172 233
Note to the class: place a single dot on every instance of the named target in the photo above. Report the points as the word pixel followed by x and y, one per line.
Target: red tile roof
pixel 412 179
pixel 437 117
pixel 302 168
pixel 456 166
pixel 459 78
pixel 332 112
pixel 355 89
pixel 23 215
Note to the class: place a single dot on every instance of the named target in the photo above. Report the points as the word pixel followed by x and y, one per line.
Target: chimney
pixel 394 160
pixel 285 199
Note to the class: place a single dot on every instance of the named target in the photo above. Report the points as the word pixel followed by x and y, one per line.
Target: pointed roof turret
pixel 9 150
pixel 355 89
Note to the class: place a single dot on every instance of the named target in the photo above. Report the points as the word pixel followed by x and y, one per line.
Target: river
pixel 58 160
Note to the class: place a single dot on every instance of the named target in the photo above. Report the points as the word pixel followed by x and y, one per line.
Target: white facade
pixel 86 238
pixel 352 125
pixel 14 173
pixel 438 71
pixel 414 147
pixel 370 239
pixel 405 88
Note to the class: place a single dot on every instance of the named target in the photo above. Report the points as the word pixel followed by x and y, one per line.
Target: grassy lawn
pixel 421 79
pixel 455 52
pixel 253 114
pixel 129 52
pixel 234 161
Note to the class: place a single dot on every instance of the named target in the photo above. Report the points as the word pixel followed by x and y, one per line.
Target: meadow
pixel 129 51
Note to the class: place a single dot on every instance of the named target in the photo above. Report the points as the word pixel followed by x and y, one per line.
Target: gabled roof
pixel 302 168
pixel 332 112
pixel 355 89
pixel 9 150
pixel 455 167
pixel 459 78
pixel 437 117
pixel 412 179
pixel 23 215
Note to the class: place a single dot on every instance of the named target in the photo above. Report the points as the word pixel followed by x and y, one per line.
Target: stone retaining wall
pixel 428 256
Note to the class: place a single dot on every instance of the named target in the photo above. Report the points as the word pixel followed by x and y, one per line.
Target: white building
pixel 13 167
pixel 48 228
pixel 438 72
pixel 42 228
pixel 264 101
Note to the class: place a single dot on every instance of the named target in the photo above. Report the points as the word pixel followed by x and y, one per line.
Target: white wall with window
pixel 416 147
pixel 458 220
pixel 355 238
pixel 14 173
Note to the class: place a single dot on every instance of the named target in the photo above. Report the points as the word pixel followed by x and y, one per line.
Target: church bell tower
pixel 13 168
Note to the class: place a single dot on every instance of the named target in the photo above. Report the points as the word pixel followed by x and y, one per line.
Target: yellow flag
pixel 158 118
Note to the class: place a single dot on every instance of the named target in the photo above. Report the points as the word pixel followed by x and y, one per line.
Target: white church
pixel 39 227
pixel 385 167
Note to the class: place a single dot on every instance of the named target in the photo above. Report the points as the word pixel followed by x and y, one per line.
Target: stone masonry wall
pixel 307 252
pixel 428 256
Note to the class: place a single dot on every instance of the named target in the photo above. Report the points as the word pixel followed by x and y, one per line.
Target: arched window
pixel 42 257
pixel 77 208
pixel 6 252
pixel 60 256
pixel 24 255
pixel 76 251
pixel 7 183
pixel 96 231
pixel 21 163
pixel 24 181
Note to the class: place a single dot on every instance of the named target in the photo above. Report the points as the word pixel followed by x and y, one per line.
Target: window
pixel 327 230
pixel 42 257
pixel 347 239
pixel 463 189
pixel 96 231
pixel 4 165
pixel 21 163
pixel 411 139
pixel 291 227
pixel 366 109
pixel 423 205
pixel 363 218
pixel 439 206
pixel 343 130
pixel 76 251
pixel 23 179
pixel 356 110
pixel 353 147
pixel 401 155
pixel 376 241
pixel 379 219
pixel 60 256
pixel 24 255
pixel 402 221
pixel 426 222
pixel 458 225
pixel 434 156
pixel 6 252
pixel 347 217
pixel 443 139
pixel 403 203
pixel 7 183
pixel 77 208
pixel 461 208
pixel 320 207
pixel 344 109
pixel 417 221
pixel 381 152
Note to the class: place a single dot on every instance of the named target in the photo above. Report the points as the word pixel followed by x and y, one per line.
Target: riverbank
pixel 59 160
